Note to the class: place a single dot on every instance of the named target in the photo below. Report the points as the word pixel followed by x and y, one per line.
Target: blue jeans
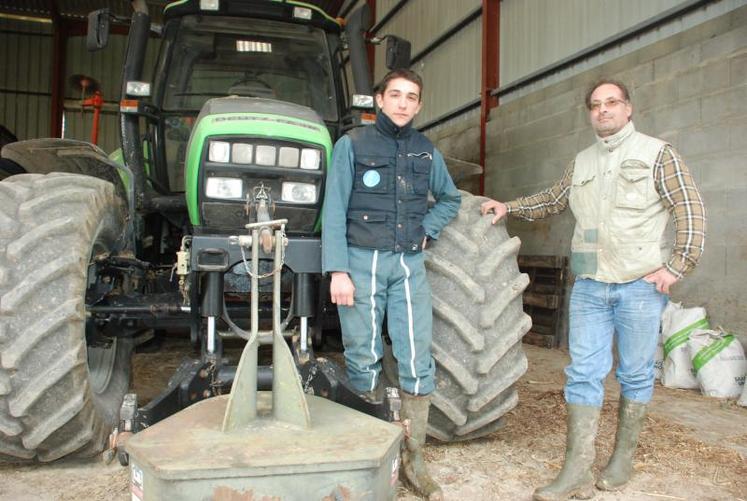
pixel 599 314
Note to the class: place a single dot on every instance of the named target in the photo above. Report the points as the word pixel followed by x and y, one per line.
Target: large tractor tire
pixel 58 397
pixel 478 323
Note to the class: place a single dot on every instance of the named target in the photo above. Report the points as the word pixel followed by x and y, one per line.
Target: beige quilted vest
pixel 620 218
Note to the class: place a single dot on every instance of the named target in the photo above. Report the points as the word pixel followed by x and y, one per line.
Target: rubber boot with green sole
pixel 575 478
pixel 413 465
pixel 630 418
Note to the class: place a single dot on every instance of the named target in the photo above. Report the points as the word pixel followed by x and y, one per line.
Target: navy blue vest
pixel 390 187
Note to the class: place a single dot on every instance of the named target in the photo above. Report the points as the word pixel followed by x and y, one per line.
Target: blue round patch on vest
pixel 371 178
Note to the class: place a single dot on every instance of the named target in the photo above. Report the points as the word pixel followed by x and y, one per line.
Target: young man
pixel 376 224
pixel 621 190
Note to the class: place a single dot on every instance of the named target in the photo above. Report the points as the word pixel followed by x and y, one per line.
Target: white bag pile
pixel 692 355
pixel 677 323
pixel 719 363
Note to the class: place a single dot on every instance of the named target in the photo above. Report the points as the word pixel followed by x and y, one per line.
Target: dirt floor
pixel 692 448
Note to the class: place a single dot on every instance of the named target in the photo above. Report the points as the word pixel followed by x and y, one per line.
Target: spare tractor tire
pixel 478 324
pixel 58 397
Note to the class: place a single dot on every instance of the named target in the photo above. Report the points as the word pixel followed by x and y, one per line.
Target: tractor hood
pixel 240 145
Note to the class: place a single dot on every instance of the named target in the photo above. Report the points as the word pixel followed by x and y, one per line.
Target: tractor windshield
pixel 211 56
pixel 222 56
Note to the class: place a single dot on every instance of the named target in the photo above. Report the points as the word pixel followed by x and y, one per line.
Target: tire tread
pixel 48 408
pixel 478 324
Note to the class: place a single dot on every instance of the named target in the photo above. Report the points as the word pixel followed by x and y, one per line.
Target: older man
pixel 622 191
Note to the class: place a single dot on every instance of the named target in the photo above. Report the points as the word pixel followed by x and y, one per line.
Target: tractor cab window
pixel 217 56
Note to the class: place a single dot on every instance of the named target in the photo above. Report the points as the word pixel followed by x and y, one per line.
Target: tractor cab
pixel 288 55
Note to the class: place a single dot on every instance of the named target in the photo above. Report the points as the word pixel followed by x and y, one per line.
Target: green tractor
pixel 237 128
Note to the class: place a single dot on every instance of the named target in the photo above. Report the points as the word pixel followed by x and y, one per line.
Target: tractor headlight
pixel 302 13
pixel 309 158
pixel 298 193
pixel 266 155
pixel 224 187
pixel 241 153
pixel 219 151
pixel 288 157
pixel 209 4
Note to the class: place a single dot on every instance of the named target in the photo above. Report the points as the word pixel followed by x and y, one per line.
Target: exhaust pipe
pixel 358 23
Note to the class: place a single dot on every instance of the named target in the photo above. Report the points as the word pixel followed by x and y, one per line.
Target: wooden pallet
pixel 544 298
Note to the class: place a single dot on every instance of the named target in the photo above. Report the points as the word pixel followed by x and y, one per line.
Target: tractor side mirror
pixel 397 52
pixel 363 102
pixel 98 29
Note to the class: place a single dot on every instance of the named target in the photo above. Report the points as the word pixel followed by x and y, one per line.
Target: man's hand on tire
pixel 496 207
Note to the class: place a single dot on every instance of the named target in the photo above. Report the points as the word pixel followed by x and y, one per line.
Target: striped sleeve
pixel 680 196
pixel 551 201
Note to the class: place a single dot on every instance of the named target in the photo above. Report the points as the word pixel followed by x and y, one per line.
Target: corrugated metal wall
pixel 26 55
pixel 537 33
pixel 451 73
pixel 25 77
pixel 533 33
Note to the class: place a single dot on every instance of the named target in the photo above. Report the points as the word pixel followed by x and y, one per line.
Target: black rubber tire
pixel 57 396
pixel 478 323
pixel 8 167
pixel 6 136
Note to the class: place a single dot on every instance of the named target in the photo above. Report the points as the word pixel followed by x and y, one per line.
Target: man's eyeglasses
pixel 609 103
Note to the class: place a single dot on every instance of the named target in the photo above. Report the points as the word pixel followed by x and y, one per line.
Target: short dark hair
pixel 605 81
pixel 400 73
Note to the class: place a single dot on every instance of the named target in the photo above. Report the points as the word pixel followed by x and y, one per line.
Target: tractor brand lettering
pixel 242 118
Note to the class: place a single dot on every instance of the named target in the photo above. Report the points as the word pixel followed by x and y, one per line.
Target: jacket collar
pixel 389 128
pixel 615 140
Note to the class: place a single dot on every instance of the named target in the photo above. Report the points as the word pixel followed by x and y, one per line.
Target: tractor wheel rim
pixel 101 360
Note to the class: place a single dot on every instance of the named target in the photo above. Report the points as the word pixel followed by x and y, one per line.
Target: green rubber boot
pixel 575 478
pixel 413 465
pixel 631 416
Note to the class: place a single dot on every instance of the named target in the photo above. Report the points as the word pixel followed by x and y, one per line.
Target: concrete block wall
pixel 689 89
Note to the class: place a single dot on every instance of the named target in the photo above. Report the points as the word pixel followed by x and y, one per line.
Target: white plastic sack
pixel 719 363
pixel 676 326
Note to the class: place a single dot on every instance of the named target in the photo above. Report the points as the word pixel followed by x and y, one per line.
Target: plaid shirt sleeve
pixel 553 200
pixel 680 196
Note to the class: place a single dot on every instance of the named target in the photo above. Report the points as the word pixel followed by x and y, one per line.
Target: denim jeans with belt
pixel 629 314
